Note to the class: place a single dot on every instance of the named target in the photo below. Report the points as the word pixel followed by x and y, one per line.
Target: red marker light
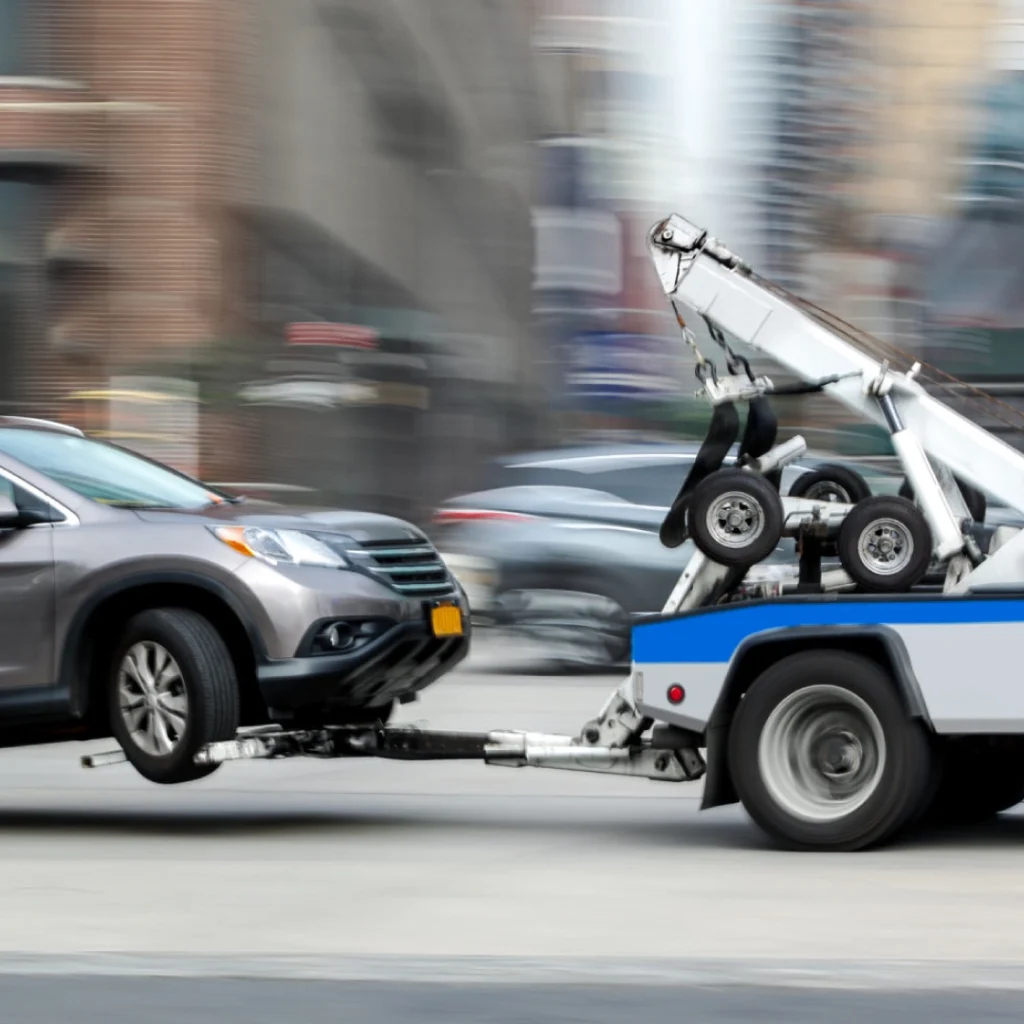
pixel 676 694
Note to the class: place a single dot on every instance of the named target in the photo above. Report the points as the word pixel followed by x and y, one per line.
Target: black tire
pixel 831 482
pixel 976 502
pixel 207 680
pixel 744 493
pixel 892 795
pixel 980 779
pixel 885 544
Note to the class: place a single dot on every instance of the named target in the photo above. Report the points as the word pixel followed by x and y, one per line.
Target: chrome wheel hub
pixel 828 491
pixel 735 519
pixel 885 546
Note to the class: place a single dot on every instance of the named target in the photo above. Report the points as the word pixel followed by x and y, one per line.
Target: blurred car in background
pixel 561 547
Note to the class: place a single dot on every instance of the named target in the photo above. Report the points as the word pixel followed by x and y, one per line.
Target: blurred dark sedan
pixel 563 545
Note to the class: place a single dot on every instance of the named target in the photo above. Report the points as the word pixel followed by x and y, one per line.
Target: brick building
pixel 122 134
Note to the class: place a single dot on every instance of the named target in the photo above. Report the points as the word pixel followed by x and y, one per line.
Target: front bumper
pixel 295 602
pixel 400 662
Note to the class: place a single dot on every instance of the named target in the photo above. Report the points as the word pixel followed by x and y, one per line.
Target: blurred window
pixel 643 484
pixel 18 44
pixel 104 473
pixel 655 484
pixel 20 211
pixel 26 500
pixel 577 250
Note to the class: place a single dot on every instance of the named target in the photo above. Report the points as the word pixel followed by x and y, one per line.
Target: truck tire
pixel 831 482
pixel 823 755
pixel 735 517
pixel 980 779
pixel 172 690
pixel 885 544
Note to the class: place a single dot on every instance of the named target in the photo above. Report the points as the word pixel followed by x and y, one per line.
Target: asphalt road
pixel 458 891
pixel 208 1001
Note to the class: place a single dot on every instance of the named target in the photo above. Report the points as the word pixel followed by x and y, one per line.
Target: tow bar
pixel 504 748
pixel 611 744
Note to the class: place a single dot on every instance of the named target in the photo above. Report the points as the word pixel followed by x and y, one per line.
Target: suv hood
pixel 365 527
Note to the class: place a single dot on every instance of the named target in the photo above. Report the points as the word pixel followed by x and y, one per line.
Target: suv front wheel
pixel 173 689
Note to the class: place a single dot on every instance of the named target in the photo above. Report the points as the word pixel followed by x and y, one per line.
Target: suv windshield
pixel 103 472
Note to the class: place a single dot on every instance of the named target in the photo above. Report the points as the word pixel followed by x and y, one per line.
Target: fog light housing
pixel 338 636
pixel 341 636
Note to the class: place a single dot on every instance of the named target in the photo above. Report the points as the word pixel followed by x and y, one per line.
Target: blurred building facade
pixel 118 157
pixel 605 159
pixel 395 170
pixel 875 157
pixel 181 184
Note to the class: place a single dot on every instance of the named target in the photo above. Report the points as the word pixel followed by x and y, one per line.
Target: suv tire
pixel 172 689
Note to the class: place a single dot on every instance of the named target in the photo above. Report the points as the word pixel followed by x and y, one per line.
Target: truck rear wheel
pixel 173 689
pixel 823 755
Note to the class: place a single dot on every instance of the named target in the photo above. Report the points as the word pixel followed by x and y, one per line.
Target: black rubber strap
pixel 723 430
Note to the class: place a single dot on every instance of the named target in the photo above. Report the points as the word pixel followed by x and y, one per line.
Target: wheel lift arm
pixel 668 756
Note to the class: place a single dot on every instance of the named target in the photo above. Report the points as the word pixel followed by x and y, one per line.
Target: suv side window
pixel 26 501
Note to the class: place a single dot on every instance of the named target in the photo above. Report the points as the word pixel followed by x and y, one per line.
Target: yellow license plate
pixel 446 620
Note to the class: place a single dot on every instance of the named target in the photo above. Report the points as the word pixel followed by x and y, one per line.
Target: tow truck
pixel 840 705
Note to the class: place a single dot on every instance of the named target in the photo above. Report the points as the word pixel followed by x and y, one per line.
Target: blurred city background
pixel 354 249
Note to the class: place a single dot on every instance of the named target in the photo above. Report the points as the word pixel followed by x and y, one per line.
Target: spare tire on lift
pixel 831 482
pixel 973 498
pixel 735 517
pixel 885 544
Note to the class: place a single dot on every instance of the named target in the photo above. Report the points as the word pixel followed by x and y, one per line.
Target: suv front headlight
pixel 277 547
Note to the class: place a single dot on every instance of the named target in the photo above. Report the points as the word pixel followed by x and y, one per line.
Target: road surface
pixel 453 877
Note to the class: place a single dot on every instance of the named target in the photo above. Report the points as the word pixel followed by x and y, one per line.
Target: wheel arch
pixel 98 621
pixel 880 644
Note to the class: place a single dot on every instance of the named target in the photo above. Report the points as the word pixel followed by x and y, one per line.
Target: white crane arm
pixel 701 274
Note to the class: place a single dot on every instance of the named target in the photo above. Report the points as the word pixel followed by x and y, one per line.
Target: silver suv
pixel 140 603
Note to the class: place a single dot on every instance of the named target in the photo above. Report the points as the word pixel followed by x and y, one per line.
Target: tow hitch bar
pixel 506 748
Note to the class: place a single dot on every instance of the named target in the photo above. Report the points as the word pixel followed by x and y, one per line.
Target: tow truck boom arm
pixel 703 275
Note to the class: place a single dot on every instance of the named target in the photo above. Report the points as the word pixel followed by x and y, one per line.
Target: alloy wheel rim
pixel 152 698
pixel 885 546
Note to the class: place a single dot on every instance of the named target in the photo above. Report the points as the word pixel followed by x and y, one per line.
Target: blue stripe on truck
pixel 713 635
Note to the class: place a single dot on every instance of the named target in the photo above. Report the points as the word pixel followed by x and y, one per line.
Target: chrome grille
pixel 411 567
